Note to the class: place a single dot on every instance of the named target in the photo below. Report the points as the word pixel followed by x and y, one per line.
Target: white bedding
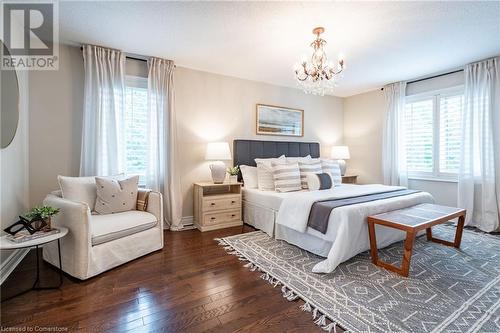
pixel 347 233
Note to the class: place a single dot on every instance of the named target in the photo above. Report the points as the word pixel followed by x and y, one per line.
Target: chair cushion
pixel 106 228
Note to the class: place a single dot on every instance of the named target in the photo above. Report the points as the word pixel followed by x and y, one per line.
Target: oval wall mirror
pixel 9 96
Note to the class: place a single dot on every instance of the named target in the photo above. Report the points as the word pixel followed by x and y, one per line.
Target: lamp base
pixel 342 166
pixel 218 172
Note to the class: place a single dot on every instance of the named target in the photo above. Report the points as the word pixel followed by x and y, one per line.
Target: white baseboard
pixel 186 221
pixel 11 263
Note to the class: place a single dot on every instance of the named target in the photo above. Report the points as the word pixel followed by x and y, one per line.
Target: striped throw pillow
pixel 332 167
pixel 308 167
pixel 286 177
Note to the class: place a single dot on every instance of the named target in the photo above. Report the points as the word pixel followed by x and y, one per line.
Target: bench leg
pixel 458 234
pixel 373 242
pixel 407 252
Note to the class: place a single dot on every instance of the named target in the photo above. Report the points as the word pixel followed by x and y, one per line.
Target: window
pixel 136 127
pixel 431 126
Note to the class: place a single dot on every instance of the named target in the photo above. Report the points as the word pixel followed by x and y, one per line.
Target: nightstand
pixel 217 206
pixel 349 179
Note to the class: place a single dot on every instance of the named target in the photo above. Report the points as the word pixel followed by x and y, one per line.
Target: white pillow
pixel 312 166
pixel 80 189
pixel 286 177
pixel 298 159
pixel 115 196
pixel 332 167
pixel 249 174
pixel 319 181
pixel 265 178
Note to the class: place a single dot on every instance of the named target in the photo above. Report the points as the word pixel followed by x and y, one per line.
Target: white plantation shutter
pixel 136 129
pixel 432 128
pixel 418 131
pixel 450 134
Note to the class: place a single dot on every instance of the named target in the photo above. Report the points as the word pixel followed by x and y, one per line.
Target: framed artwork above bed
pixel 278 120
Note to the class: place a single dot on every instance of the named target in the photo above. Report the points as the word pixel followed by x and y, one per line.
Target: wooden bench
pixel 412 220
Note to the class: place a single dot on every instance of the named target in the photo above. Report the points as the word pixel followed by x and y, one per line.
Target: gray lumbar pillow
pixel 319 181
pixel 115 196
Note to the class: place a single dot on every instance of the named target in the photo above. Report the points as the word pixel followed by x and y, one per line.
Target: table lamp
pixel 340 153
pixel 218 152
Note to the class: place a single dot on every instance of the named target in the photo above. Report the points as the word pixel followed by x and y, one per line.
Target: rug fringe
pixel 330 327
pixel 306 307
pixel 319 318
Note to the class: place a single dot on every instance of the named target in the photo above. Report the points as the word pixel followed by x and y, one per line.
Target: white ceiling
pixel 381 42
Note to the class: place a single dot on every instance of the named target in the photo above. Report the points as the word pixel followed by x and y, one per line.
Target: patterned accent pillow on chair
pixel 308 167
pixel 286 177
pixel 142 199
pixel 115 196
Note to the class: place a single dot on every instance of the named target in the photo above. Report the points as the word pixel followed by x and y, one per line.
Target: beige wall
pixel 363 126
pixel 363 131
pixel 209 107
pixel 56 113
pixel 213 107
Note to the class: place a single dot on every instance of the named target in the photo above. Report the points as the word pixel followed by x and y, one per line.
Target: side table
pixel 6 244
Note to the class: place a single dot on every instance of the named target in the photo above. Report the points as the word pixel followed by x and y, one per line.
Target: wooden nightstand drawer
pixel 218 218
pixel 228 202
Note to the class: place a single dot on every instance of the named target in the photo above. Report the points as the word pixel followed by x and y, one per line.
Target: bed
pixel 284 215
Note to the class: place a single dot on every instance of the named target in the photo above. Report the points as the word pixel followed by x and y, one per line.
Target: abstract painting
pixel 277 120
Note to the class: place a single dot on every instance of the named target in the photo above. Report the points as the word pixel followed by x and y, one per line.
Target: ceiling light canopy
pixel 318 76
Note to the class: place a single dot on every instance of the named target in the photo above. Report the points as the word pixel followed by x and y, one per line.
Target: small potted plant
pixel 42 214
pixel 233 174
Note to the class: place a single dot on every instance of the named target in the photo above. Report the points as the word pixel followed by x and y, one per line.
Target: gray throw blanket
pixel 321 210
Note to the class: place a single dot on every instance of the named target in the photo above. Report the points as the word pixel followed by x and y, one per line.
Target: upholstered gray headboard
pixel 245 151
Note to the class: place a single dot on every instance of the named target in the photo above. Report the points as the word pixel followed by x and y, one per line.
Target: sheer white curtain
pixel 478 186
pixel 104 107
pixel 161 174
pixel 393 149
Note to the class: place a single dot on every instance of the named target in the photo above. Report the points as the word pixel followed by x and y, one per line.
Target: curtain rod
pixel 432 77
pixel 126 55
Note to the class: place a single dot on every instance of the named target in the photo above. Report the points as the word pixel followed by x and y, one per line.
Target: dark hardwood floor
pixel 192 285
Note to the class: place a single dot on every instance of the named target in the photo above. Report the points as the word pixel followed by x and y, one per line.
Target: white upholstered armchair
pixel 97 243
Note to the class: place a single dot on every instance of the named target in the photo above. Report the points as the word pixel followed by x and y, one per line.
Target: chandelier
pixel 318 76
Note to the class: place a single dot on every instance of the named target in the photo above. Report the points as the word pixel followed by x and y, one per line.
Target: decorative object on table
pixel 319 76
pixel 340 153
pixel 43 214
pixel 217 206
pixel 233 174
pixel 218 152
pixel 34 224
pixel 445 282
pixel 24 236
pixel 278 120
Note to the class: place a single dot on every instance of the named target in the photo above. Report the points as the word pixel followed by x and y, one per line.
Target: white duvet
pixel 347 229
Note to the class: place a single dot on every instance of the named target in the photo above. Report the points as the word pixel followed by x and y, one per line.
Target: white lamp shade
pixel 340 153
pixel 218 151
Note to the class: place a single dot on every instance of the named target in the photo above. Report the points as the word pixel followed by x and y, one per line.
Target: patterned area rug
pixel 448 290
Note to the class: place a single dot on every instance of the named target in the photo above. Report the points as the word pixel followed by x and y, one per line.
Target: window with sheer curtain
pixel 136 127
pixel 431 127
